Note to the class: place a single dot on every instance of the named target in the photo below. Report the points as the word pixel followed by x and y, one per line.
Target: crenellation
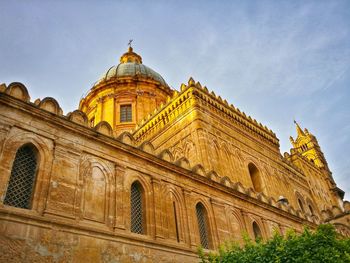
pixel 174 154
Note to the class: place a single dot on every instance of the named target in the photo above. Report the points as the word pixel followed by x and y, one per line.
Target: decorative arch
pixel 51 105
pixel 311 207
pixel 127 138
pixel 236 224
pixel 104 128
pixel 137 209
pixel 147 197
pixel 147 147
pixel 199 169
pixel 175 217
pixel 250 220
pixel 166 155
pixel 212 175
pixel 16 139
pixel 214 161
pixel 226 181
pixel 239 187
pixel 177 152
pixel 203 226
pixel 300 202
pixel 20 188
pixel 256 231
pixel 226 160
pixel 96 177
pixel 18 91
pixel 211 221
pixel 78 117
pixel 183 162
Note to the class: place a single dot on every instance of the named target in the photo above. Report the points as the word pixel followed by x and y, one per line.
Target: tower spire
pixel 299 130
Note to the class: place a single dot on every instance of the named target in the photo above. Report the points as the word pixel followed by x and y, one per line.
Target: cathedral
pixel 141 172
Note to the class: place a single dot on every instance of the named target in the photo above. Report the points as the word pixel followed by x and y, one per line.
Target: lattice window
pixel 125 113
pixel 20 188
pixel 137 212
pixel 202 225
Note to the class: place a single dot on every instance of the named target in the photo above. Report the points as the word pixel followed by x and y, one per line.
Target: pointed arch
pixel 146 188
pixel 255 177
pixel 226 161
pixel 15 140
pixel 95 190
pixel 311 206
pixel 137 209
pixel 236 223
pixel 300 201
pixel 96 177
pixel 175 215
pixel 166 155
pixel 214 161
pixel 20 188
pixel 256 231
pixel 203 226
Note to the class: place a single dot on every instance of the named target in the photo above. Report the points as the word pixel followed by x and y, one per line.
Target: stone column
pixel 191 221
pixel 120 198
pixel 158 199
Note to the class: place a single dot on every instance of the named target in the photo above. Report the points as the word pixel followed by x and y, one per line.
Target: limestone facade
pixel 205 173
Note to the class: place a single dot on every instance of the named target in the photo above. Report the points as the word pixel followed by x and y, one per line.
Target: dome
pixel 131 66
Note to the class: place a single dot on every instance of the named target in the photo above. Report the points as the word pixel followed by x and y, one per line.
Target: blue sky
pixel 275 60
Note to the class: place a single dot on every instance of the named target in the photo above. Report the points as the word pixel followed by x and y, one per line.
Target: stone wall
pixel 81 201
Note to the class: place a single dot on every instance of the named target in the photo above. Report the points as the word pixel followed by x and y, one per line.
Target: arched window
pixel 21 184
pixel 176 223
pixel 301 205
pixel 257 232
pixel 311 210
pixel 137 209
pixel 202 219
pixel 255 177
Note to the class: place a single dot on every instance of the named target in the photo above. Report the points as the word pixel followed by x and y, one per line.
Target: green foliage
pixel 323 245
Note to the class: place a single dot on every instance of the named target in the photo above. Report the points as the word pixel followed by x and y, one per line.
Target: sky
pixel 275 60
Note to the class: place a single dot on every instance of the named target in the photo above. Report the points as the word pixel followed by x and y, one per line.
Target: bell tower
pixel 307 145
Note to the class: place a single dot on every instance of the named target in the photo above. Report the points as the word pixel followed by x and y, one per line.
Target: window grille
pixel 137 224
pixel 20 188
pixel 125 113
pixel 202 225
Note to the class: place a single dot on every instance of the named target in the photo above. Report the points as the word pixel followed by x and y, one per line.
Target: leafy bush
pixel 322 245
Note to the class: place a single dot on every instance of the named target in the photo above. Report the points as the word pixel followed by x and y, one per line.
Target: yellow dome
pixel 126 94
pixel 131 66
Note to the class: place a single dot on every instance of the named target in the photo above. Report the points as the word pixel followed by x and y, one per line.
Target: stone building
pixel 144 173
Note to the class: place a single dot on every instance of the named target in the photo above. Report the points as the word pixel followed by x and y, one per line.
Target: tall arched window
pixel 21 184
pixel 255 177
pixel 256 230
pixel 203 227
pixel 176 221
pixel 301 205
pixel 311 210
pixel 137 209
